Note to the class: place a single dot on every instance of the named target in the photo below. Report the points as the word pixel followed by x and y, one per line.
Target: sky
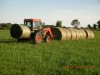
pixel 50 11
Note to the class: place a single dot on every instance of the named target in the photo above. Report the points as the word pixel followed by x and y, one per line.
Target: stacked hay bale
pixel 72 33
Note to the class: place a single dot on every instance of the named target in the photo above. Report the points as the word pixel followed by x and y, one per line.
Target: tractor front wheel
pixel 38 38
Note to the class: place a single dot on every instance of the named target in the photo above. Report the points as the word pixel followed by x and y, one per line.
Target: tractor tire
pixel 37 38
pixel 47 38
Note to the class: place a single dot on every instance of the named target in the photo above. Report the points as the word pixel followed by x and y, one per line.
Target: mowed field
pixel 80 57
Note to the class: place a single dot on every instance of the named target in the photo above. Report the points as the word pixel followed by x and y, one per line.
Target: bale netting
pixel 68 33
pixel 20 31
pixel 59 33
pixel 83 32
pixel 73 34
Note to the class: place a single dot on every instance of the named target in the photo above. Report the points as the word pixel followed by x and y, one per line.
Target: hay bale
pixel 59 33
pixel 77 34
pixel 73 34
pixel 68 33
pixel 84 34
pixel 81 34
pixel 88 34
pixel 92 34
pixel 20 31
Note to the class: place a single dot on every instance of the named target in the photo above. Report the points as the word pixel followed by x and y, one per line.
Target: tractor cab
pixel 33 24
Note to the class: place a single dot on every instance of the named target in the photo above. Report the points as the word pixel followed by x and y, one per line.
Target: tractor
pixel 32 29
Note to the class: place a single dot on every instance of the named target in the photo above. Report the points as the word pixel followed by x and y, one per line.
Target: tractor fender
pixel 47 31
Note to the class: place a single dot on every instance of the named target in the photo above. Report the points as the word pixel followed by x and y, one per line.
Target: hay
pixel 57 33
pixel 88 34
pixel 77 34
pixel 84 34
pixel 68 33
pixel 81 34
pixel 92 34
pixel 61 33
pixel 73 34
pixel 20 31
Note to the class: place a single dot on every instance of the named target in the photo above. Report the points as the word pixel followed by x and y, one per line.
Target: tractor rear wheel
pixel 47 38
pixel 38 38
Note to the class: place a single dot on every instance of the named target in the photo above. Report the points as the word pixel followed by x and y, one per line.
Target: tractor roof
pixel 33 20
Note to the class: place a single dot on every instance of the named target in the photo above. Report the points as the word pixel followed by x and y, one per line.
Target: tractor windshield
pixel 37 25
pixel 33 25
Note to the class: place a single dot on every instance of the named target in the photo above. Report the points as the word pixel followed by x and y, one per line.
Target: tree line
pixel 5 25
pixel 75 23
pixel 94 26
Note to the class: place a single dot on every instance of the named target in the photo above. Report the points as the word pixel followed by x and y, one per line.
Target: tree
pixel 98 22
pixel 59 24
pixel 75 23
pixel 89 26
pixel 94 26
pixel 5 25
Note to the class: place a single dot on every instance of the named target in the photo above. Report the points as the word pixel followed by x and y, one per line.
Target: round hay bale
pixel 59 33
pixel 77 34
pixel 88 34
pixel 20 31
pixel 84 34
pixel 92 34
pixel 68 33
pixel 81 34
pixel 73 34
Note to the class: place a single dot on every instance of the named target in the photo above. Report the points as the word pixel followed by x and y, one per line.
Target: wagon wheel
pixel 38 38
pixel 47 38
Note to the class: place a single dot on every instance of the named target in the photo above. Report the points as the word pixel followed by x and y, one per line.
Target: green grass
pixel 49 58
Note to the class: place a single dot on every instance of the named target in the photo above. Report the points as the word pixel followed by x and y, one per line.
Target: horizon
pixel 49 11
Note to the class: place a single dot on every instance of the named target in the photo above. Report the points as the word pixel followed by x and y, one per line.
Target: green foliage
pixel 89 26
pixel 59 24
pixel 94 26
pixel 98 22
pixel 49 58
pixel 75 23
pixel 5 25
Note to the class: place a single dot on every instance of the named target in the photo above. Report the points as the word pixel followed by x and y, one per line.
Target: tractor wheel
pixel 38 38
pixel 47 39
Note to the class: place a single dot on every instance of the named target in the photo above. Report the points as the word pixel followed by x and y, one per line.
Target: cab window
pixel 36 24
pixel 28 24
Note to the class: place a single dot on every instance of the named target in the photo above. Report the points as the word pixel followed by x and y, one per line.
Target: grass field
pixel 54 58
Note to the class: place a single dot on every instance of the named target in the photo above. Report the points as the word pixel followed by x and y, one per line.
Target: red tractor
pixel 31 30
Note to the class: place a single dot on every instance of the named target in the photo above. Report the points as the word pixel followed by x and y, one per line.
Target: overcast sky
pixel 49 11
